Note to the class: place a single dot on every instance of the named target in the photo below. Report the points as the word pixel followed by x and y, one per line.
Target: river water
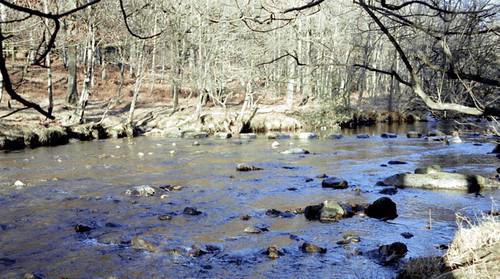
pixel 84 183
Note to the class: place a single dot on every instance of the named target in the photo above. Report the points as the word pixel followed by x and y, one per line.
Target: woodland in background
pixel 341 55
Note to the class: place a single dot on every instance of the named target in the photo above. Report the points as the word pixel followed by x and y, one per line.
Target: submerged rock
pixel 170 188
pixel 307 247
pixel 428 169
pixel 191 211
pixel 295 151
pixel 194 135
pixel 407 235
pixel 142 244
pixel 252 230
pixel 413 135
pixel 389 136
pixel 277 136
pixel 223 135
pixel 82 228
pixel 454 139
pixel 165 217
pixel 335 183
pixel 306 136
pixel 335 136
pixel 389 191
pixel 391 253
pixel 141 191
pixel 383 208
pixel 363 136
pixel 273 252
pixel 435 133
pixel 196 251
pixel 396 162
pixel 33 276
pixel 246 167
pixel 442 180
pixel 349 238
pixel 278 213
pixel 248 136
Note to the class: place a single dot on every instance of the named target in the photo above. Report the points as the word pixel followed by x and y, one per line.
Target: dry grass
pixel 473 253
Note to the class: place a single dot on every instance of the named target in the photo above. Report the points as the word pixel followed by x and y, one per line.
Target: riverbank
pixel 26 129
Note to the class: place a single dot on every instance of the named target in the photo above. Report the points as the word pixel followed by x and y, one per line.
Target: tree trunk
pixel 72 90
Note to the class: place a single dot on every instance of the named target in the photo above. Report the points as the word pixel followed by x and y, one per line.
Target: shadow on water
pixel 84 183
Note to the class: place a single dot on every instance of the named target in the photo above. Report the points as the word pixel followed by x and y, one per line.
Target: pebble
pixel 165 217
pixel 196 143
pixel 407 235
pixel 252 230
pixel 246 217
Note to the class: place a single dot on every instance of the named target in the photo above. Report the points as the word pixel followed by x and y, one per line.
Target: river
pixel 84 183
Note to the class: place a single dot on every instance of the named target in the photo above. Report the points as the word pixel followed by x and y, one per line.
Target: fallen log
pixel 442 181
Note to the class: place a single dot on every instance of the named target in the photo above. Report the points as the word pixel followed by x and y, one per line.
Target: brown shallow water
pixel 84 183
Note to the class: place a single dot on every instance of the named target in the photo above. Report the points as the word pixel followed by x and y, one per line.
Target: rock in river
pixel 396 162
pixel 191 211
pixel 141 191
pixel 363 136
pixel 393 252
pixel 142 244
pixel 273 252
pixel 383 208
pixel 246 167
pixel 312 248
pixel 413 135
pixel 306 136
pixel 428 169
pixel 223 135
pixel 335 183
pixel 82 228
pixel 295 151
pixel 328 211
pixel 248 136
pixel 442 180
pixel 252 230
pixel 389 136
pixel 389 191
pixel 496 150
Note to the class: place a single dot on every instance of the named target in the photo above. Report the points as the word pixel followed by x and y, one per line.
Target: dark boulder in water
pixel 389 191
pixel 191 211
pixel 82 228
pixel 335 183
pixel 389 136
pixel 383 208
